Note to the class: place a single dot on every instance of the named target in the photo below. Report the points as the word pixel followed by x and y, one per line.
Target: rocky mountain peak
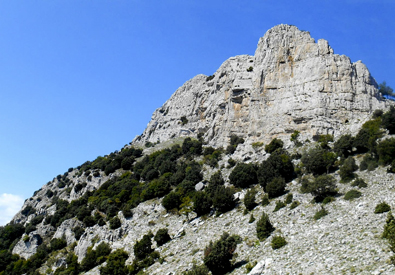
pixel 291 83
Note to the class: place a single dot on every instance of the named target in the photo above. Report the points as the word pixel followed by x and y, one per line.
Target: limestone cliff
pixel 291 83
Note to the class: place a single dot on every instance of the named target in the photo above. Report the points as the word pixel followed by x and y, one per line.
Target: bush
pixel 278 242
pixel 322 186
pixel 184 120
pixel 197 270
pixel 201 203
pixel 28 210
pixel 217 255
pixel 234 141
pixel 215 182
pixel 116 263
pixel 318 160
pixel 265 200
pixel 359 183
pixel 347 170
pixel 223 199
pixel 279 205
pixel 115 223
pixel 381 208
pixel 252 219
pixel 57 244
pixel 320 213
pixel 352 194
pixel 274 145
pixel 143 248
pixel 384 89
pixel 249 199
pixel 368 162
pixel 279 164
pixel 366 138
pixel 78 232
pixel 343 146
pixel 171 201
pixel 162 236
pixel 89 221
pixel 386 151
pixel 243 175
pixel 276 187
pixel 294 204
pixel 264 227
pixel 289 198
pixel 388 120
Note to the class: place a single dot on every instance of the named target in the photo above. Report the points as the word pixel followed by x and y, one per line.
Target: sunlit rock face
pixel 291 83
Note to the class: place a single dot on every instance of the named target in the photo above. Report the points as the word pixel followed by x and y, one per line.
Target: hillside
pixel 275 164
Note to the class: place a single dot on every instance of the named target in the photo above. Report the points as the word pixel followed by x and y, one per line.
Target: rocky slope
pixel 291 83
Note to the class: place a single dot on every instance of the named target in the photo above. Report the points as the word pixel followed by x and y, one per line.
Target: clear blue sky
pixel 80 79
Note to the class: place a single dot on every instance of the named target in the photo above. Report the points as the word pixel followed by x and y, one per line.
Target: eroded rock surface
pixel 291 83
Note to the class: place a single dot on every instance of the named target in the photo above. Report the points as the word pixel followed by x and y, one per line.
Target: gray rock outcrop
pixel 291 83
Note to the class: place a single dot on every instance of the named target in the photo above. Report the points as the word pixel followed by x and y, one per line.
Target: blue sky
pixel 79 79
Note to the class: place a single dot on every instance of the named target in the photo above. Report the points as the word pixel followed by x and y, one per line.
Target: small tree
pixel 274 145
pixel 276 187
pixel 249 199
pixel 143 248
pixel 201 203
pixel 116 263
pixel 347 169
pixel 321 186
pixel 115 223
pixel 162 236
pixel 223 199
pixel 243 175
pixel 217 255
pixel 264 227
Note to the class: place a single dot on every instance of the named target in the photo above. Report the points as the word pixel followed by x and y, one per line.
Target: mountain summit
pixel 291 83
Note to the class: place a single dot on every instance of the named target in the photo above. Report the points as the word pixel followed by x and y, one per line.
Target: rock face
pixel 291 83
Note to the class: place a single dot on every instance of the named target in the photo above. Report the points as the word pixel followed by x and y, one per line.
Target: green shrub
pixel 321 187
pixel 250 69
pixel 320 213
pixel 279 205
pixel 252 219
pixel 359 183
pixel 78 232
pixel 366 138
pixel 249 199
pixel 201 203
pixel 294 204
pixel 143 248
pixel 234 141
pixel 115 223
pixel 388 120
pixel 197 270
pixel 223 199
pixel 274 145
pixel 384 89
pixel 171 201
pixel 57 244
pixel 278 242
pixel 318 160
pixel 289 198
pixel 381 208
pixel 343 146
pixel 265 200
pixel 211 77
pixel 116 263
pixel 162 236
pixel 352 194
pixel 328 200
pixel 278 164
pixel 36 220
pixel 294 138
pixel 243 175
pixel 347 170
pixel 276 187
pixel 218 255
pixel 264 227
pixel 30 228
pixel 250 266
pixel 184 120
pixel 28 210
pixel 89 221
pixel 231 162
pixel 386 151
